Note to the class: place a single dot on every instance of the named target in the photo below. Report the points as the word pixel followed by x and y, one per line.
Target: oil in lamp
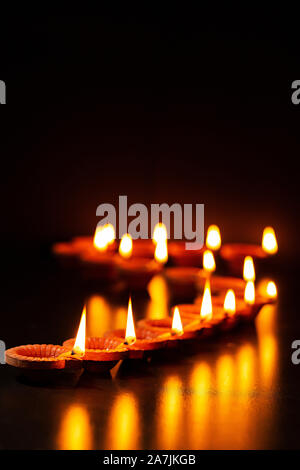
pixel 234 253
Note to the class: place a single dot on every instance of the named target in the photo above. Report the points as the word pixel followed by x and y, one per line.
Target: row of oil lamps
pixel 234 301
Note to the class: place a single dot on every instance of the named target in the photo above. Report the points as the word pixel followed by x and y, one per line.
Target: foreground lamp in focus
pixel 213 238
pixel 249 271
pixel 269 242
pixel 209 261
pixel 230 303
pixel 79 345
pixel 125 248
pixel 206 305
pixel 177 328
pixel 130 336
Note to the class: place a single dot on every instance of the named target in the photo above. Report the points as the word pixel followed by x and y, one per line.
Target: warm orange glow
pixel 130 336
pixel 159 233
pixel 75 430
pixel 269 242
pixel 213 237
pixel 177 327
pixel 161 251
pixel 206 305
pixel 79 346
pixel 104 236
pixel 158 307
pixel 123 430
pixel 272 290
pixel 229 302
pixel 249 295
pixel 125 248
pixel 170 417
pixel 209 261
pixel 249 271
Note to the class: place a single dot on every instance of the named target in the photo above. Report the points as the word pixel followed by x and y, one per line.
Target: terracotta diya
pixel 234 253
pixel 98 266
pixel 44 362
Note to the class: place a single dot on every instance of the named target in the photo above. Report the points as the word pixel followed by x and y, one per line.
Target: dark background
pixel 181 106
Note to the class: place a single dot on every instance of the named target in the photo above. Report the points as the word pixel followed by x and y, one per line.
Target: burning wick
pixel 159 233
pixel 125 248
pixel 213 237
pixel 206 305
pixel 269 242
pixel 104 236
pixel 249 271
pixel 249 295
pixel 229 303
pixel 177 328
pixel 130 336
pixel 209 261
pixel 79 346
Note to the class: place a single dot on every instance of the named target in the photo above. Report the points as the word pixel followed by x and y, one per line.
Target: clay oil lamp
pixel 136 272
pixel 97 263
pixel 98 355
pixel 48 362
pixel 139 342
pixel 173 330
pixel 234 253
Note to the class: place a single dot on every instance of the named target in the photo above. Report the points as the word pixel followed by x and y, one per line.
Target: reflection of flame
pixel 75 432
pixel 249 271
pixel 269 242
pixel 209 261
pixel 79 346
pixel 158 307
pixel 229 302
pixel 159 233
pixel 130 330
pixel 268 347
pixel 123 425
pixel 206 305
pixel 104 236
pixel 200 383
pixel 170 414
pixel 213 237
pixel 161 251
pixel 249 294
pixel 177 327
pixel 271 290
pixel 246 368
pixel 125 248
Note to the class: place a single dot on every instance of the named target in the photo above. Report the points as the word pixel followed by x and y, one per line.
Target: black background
pixel 176 106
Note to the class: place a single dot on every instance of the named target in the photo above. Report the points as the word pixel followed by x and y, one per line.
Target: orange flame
pixel 79 346
pixel 272 290
pixel 130 336
pixel 213 237
pixel 125 248
pixel 177 327
pixel 249 294
pixel 104 236
pixel 269 242
pixel 209 261
pixel 249 271
pixel 161 251
pixel 159 233
pixel 229 302
pixel 206 305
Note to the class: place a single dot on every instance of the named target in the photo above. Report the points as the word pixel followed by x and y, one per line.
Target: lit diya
pixel 98 355
pixel 234 253
pixel 139 341
pixel 135 271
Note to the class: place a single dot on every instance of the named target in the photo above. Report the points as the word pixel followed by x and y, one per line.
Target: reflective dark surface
pixel 240 392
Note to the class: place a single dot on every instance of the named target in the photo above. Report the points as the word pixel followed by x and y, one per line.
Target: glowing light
pixel 125 248
pixel 249 271
pixel 124 423
pixel 209 261
pixel 104 236
pixel 206 305
pixel 75 431
pixel 269 242
pixel 159 233
pixel 213 237
pixel 272 290
pixel 130 336
pixel 79 346
pixel 249 295
pixel 177 327
pixel 161 251
pixel 229 302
